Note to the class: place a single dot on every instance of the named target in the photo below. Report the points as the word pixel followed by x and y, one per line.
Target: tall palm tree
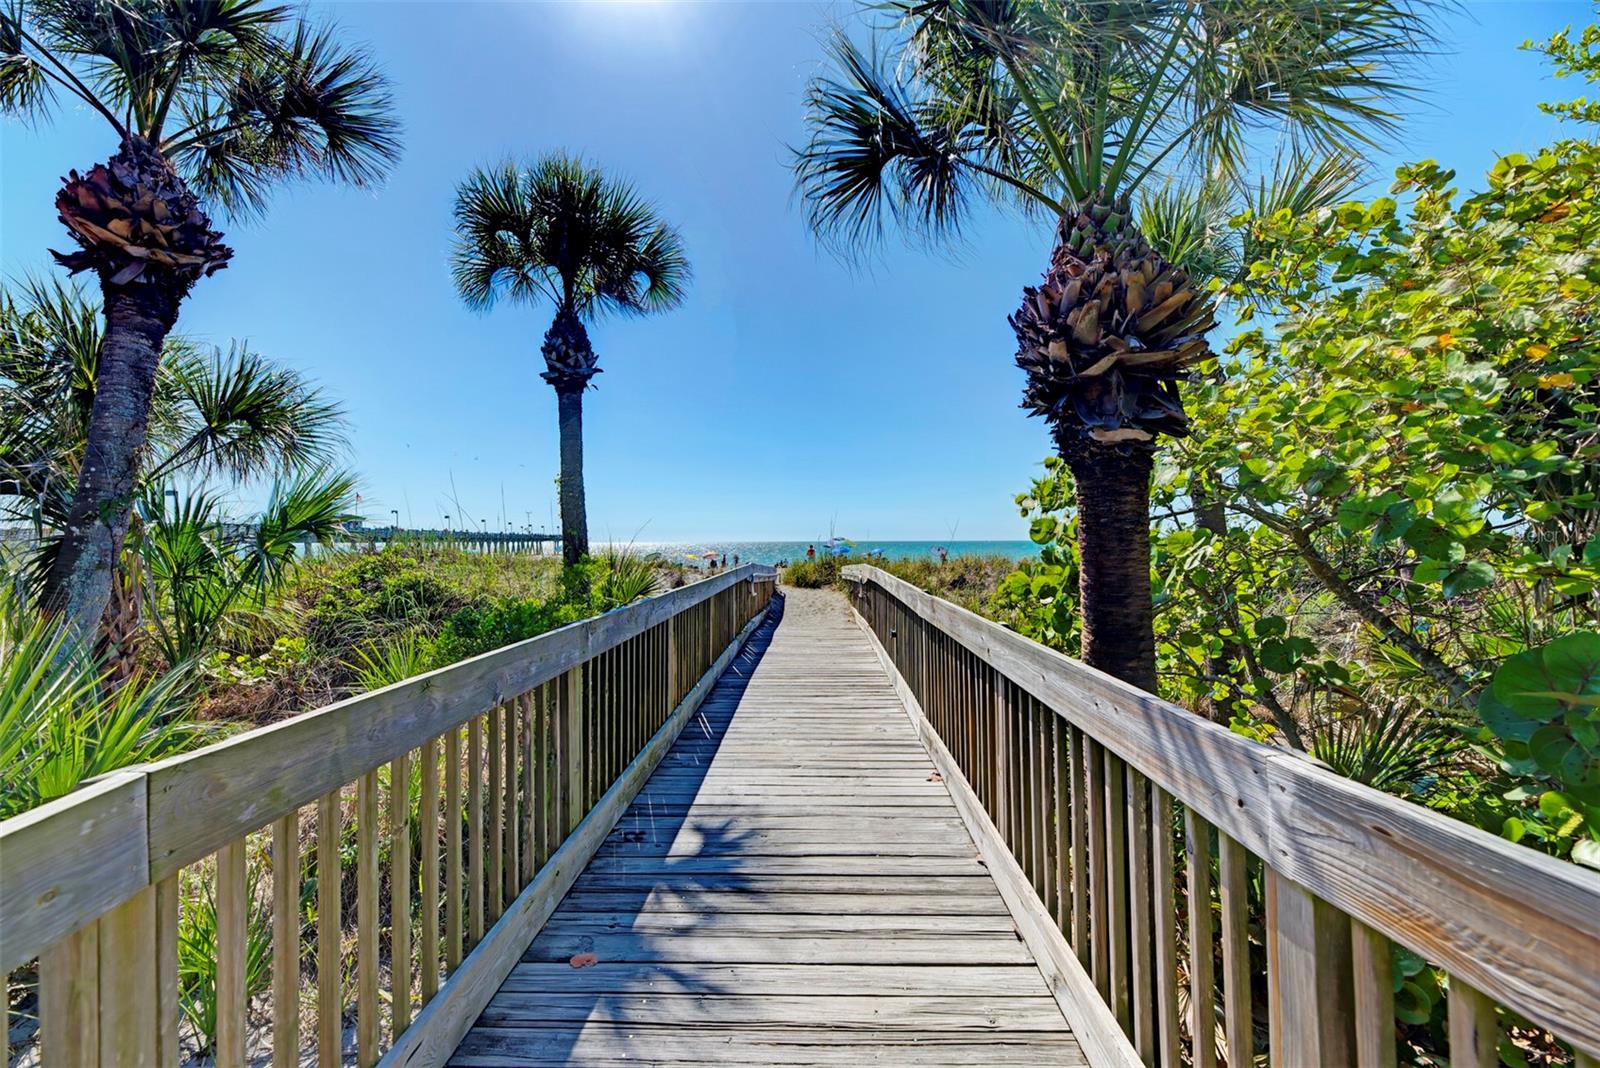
pixel 233 414
pixel 1066 109
pixel 212 101
pixel 560 231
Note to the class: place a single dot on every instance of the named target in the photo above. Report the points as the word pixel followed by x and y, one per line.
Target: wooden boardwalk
pixel 793 886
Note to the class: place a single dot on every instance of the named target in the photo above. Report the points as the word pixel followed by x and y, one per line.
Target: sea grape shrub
pixel 1404 462
pixel 1543 706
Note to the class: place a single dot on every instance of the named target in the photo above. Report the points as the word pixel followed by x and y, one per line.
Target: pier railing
pixel 1178 881
pixel 479 790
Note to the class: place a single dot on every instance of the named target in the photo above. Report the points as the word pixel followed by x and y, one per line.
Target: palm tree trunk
pixel 138 318
pixel 574 517
pixel 1114 556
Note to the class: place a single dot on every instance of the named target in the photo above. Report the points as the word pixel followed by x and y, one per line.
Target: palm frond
pixel 308 107
pixel 312 507
pixel 25 88
pixel 561 230
pixel 239 415
pixel 877 155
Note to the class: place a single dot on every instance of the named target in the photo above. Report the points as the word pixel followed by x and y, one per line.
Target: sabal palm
pixel 559 231
pixel 233 413
pixel 212 101
pixel 1067 110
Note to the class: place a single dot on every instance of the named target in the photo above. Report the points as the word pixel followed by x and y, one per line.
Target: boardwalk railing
pixel 1131 838
pixel 534 750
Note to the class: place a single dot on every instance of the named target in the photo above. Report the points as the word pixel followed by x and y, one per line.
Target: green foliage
pixel 628 577
pixel 60 720
pixel 239 94
pixel 1044 106
pixel 202 571
pixel 1543 707
pixel 1391 491
pixel 395 660
pixel 197 948
pixel 1569 57
pixel 560 230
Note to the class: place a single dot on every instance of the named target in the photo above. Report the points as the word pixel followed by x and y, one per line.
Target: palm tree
pixel 1066 109
pixel 222 413
pixel 559 230
pixel 212 101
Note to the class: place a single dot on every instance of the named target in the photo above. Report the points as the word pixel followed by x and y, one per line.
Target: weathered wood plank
pixel 1422 874
pixel 777 980
pixel 201 800
pixel 746 891
pixel 69 862
pixel 441 1025
pixel 920 1012
pixel 618 1045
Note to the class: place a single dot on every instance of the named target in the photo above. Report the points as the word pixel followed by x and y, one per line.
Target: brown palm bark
pixel 138 318
pixel 142 231
pixel 1113 487
pixel 569 365
pixel 574 513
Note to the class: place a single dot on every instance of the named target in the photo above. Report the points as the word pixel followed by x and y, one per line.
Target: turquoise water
pixel 773 552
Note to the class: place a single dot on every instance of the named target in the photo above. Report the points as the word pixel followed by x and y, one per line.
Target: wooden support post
pixel 1373 965
pixel 232 909
pixel 330 959
pixel 69 999
pixel 286 941
pixel 1313 982
pixel 128 988
pixel 572 754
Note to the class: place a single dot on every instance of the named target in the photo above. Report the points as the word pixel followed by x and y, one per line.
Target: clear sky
pixel 790 392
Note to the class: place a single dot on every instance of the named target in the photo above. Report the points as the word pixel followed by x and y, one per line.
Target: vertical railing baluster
pixel 1165 878
pixel 1234 879
pixel 474 830
pixel 232 916
pixel 453 925
pixel 1202 979
pixel 1139 917
pixel 330 928
pixel 400 892
pixel 1372 967
pixel 286 941
pixel 367 919
pixel 428 825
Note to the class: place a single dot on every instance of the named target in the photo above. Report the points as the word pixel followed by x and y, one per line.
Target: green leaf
pixel 1475 575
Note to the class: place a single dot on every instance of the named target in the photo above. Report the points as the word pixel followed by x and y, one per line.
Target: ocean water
pixel 775 552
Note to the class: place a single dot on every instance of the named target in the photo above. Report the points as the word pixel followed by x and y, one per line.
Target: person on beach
pixel 735 559
pixel 811 552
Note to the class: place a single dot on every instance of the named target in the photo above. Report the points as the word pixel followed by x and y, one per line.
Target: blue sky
pixel 789 393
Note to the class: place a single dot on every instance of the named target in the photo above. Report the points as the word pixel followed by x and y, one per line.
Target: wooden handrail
pixel 559 728
pixel 1510 925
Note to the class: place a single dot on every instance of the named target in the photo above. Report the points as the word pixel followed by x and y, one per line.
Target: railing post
pixel 1311 986
pixel 572 746
pixel 1002 759
pixel 673 694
